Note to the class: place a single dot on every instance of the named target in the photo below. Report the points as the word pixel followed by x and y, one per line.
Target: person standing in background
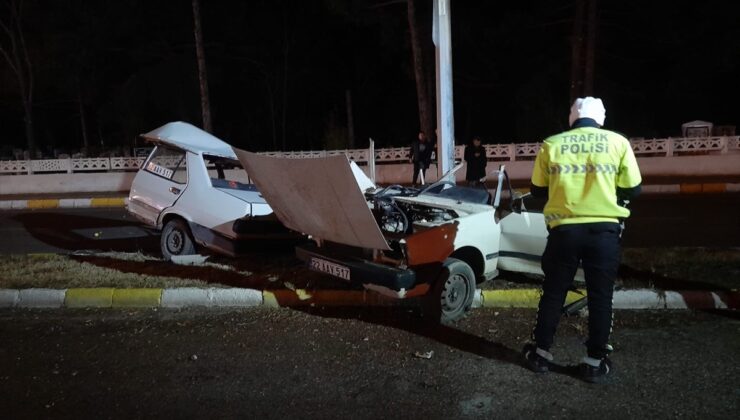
pixel 475 157
pixel 421 156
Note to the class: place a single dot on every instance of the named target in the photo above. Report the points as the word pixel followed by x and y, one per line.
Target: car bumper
pixel 356 270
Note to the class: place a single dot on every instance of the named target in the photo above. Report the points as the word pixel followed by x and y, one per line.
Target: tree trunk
pixel 16 55
pixel 205 103
pixel 83 121
pixel 576 47
pixel 271 103
pixel 425 120
pixel 591 28
pixel 28 120
pixel 350 120
pixel 284 108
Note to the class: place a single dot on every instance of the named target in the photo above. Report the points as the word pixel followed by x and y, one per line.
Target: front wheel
pixel 453 293
pixel 176 239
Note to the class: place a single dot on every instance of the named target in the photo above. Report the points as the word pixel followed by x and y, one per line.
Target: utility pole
pixel 441 34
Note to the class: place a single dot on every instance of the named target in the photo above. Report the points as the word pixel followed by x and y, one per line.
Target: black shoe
pixel 534 361
pixel 596 374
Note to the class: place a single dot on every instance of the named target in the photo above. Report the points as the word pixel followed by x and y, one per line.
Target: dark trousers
pixel 596 247
pixel 417 167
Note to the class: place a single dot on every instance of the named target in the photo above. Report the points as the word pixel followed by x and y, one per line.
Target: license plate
pixel 328 267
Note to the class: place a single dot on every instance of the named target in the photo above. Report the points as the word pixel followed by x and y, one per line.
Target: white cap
pixel 588 107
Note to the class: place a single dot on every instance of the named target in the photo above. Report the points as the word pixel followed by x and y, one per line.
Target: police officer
pixel 585 173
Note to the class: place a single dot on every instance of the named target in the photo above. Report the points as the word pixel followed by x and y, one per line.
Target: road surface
pixel 343 364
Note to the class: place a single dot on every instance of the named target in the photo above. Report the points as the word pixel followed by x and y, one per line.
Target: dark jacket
pixel 476 164
pixel 421 153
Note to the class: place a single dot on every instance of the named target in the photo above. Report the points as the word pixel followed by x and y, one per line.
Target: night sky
pixel 278 69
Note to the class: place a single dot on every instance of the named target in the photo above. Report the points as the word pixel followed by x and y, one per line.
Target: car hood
pixel 188 137
pixel 321 197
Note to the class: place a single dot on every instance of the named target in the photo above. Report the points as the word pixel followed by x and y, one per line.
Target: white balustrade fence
pixel 494 152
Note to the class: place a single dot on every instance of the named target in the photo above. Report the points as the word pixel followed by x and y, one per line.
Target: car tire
pixel 176 239
pixel 453 293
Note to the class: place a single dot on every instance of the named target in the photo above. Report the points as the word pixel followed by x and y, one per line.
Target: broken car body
pixel 175 192
pixel 438 241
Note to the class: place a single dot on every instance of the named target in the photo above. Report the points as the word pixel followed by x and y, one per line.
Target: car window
pixel 218 166
pixel 181 172
pixel 527 203
pixel 168 163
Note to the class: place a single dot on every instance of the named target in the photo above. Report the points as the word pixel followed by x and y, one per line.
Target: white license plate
pixel 328 267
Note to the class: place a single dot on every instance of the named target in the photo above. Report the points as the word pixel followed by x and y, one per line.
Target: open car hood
pixel 188 137
pixel 321 197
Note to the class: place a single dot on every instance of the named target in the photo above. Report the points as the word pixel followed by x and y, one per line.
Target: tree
pixel 13 48
pixel 422 92
pixel 583 48
pixel 205 103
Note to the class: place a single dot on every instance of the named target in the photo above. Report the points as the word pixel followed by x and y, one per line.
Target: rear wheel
pixel 176 239
pixel 453 294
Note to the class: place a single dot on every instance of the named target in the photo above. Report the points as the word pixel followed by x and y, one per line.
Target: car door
pixel 523 238
pixel 159 183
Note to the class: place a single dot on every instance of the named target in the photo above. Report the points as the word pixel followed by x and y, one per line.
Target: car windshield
pixel 477 195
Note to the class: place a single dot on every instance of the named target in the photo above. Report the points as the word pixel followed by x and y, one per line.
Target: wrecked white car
pixel 439 241
pixel 175 192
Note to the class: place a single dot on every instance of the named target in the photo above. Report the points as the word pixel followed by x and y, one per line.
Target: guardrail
pixel 494 152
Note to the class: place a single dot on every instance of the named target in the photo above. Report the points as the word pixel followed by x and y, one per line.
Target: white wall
pixel 655 170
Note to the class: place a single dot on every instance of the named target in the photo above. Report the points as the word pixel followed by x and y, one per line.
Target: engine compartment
pixel 395 217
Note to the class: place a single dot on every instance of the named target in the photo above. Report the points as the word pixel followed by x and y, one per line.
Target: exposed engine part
pixel 430 216
pixel 390 217
pixel 403 218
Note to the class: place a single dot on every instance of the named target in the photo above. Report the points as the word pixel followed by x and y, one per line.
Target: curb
pixel 184 297
pixel 692 188
pixel 623 299
pixel 64 203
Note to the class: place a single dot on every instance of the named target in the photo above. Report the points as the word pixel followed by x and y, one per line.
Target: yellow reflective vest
pixel 582 169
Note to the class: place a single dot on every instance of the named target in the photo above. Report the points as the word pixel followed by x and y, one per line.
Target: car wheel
pixel 453 293
pixel 176 239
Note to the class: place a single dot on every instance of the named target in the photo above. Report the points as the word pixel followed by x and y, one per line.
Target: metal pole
pixel 371 160
pixel 445 115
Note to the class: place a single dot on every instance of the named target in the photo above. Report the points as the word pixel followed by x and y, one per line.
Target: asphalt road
pixel 355 364
pixel 712 221
pixel 68 230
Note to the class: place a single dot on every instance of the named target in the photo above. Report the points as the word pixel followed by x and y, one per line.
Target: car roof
pixel 193 139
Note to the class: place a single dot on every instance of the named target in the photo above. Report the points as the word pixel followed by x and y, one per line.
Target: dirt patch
pixel 126 270
pixel 663 268
pixel 60 272
pixel 659 268
pixel 681 268
pixel 256 271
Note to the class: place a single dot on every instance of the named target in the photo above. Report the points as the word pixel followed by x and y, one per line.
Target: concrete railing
pixel 495 152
